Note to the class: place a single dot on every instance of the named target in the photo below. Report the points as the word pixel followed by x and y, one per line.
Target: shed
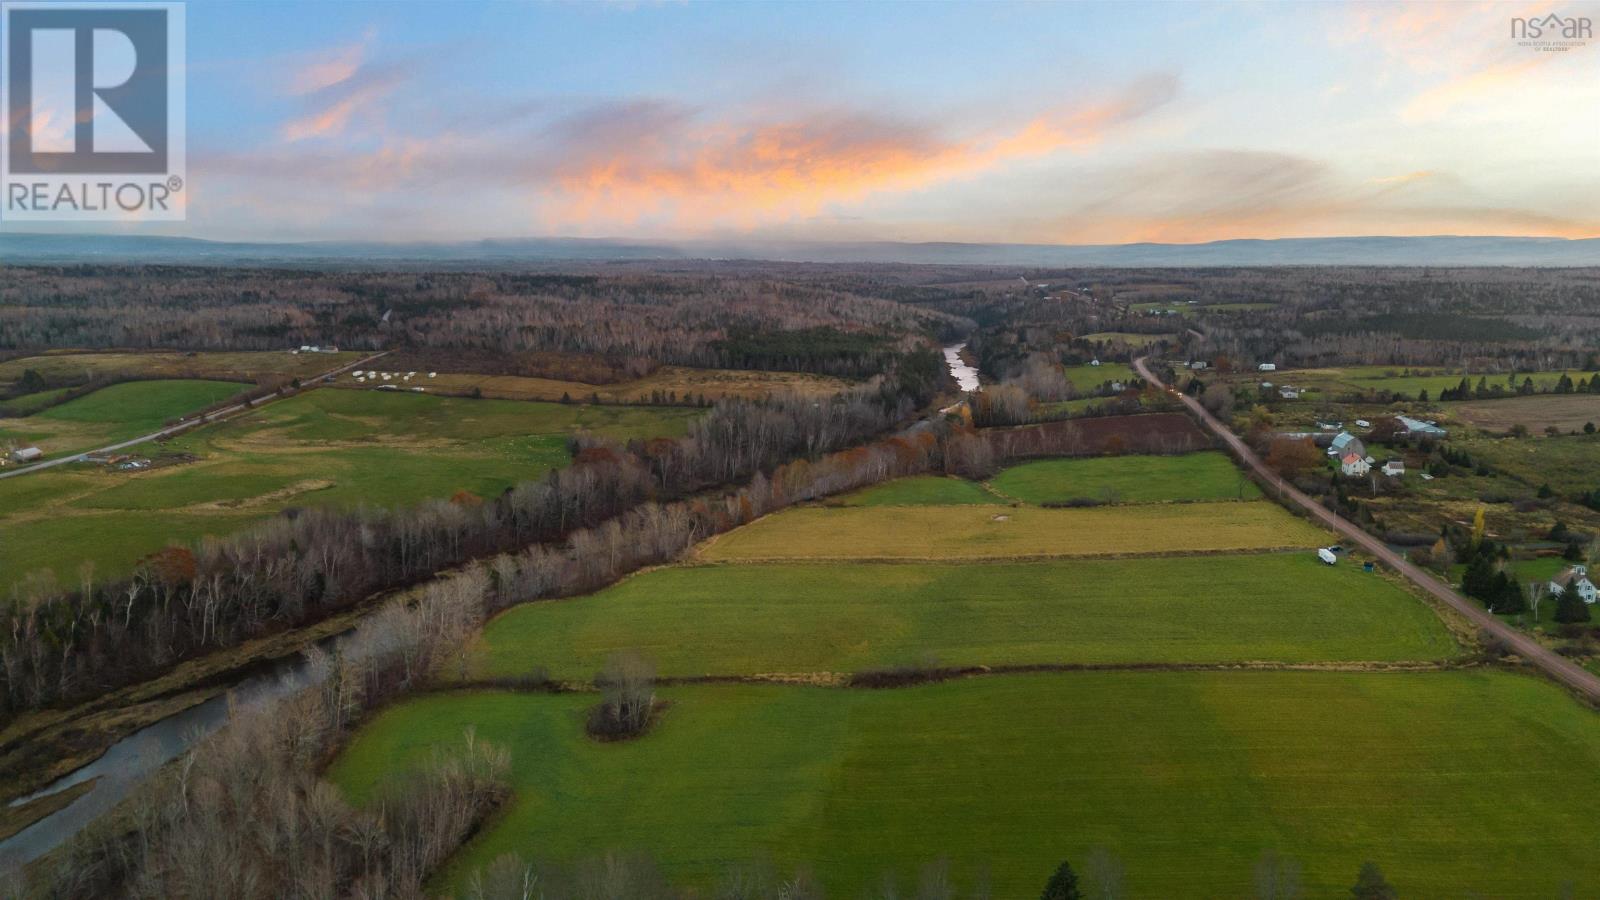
pixel 26 454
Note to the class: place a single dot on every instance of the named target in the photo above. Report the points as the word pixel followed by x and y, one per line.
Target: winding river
pixel 965 375
pixel 132 759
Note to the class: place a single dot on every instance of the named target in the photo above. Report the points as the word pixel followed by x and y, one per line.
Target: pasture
pixel 1410 381
pixel 1207 475
pixel 1187 777
pixel 321 447
pixel 1132 339
pixel 242 365
pixel 1087 378
pixel 798 618
pixel 669 383
pixel 112 414
pixel 922 490
pixel 1567 412
pixel 979 532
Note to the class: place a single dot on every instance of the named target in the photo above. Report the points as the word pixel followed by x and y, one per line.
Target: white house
pixel 1578 575
pixel 1289 393
pixel 1267 367
pixel 1197 365
pixel 1354 464
pixel 1094 362
pixel 1394 468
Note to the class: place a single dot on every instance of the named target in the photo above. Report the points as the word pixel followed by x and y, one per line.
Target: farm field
pixel 1133 339
pixel 922 490
pixel 221 366
pixel 1568 412
pixel 1328 769
pixel 1566 463
pixel 1207 475
pixel 799 618
pixel 337 448
pixel 1397 379
pixel 1088 378
pixel 114 413
pixel 672 383
pixel 977 532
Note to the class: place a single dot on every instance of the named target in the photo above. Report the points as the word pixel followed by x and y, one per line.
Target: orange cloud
pixel 731 175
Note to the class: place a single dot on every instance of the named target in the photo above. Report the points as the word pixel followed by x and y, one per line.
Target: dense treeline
pixel 59 646
pixel 629 322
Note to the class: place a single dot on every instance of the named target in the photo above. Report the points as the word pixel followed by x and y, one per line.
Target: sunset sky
pixel 1039 123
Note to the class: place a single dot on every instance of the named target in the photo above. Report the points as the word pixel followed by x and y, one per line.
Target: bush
pixel 627 684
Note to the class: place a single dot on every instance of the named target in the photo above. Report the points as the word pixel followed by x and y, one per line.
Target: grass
pixel 1187 777
pixel 1420 378
pixel 1088 378
pixel 1131 338
pixel 1128 479
pixel 243 365
pixel 794 618
pixel 113 414
pixel 1568 412
pixel 922 490
pixel 338 448
pixel 975 532
pixel 677 381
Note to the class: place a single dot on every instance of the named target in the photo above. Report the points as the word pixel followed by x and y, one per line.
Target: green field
pixel 1442 778
pixel 797 618
pixel 922 490
pixel 113 414
pixel 341 448
pixel 978 532
pixel 1410 381
pixel 1127 479
pixel 1087 378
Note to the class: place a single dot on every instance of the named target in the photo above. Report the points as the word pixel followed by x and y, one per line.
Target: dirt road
pixel 1558 667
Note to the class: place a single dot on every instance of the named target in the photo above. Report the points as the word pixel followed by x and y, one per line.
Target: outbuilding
pixel 26 454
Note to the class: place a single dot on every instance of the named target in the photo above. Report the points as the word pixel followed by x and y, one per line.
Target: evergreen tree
pixel 1371 885
pixel 1570 608
pixel 1063 885
pixel 1478 580
pixel 1511 600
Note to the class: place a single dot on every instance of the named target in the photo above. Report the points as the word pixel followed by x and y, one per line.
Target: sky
pixel 1078 123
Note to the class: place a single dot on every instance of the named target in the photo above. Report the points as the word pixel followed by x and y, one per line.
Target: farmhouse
pixel 1394 468
pixel 26 454
pixel 1578 575
pixel 1354 464
pixel 1419 427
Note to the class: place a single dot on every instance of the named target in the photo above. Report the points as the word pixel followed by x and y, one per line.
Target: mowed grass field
pixel 114 413
pixel 321 447
pixel 1411 381
pixel 979 532
pixel 1087 378
pixel 1127 479
pixel 243 365
pixel 922 490
pixel 677 382
pixel 1460 783
pixel 796 618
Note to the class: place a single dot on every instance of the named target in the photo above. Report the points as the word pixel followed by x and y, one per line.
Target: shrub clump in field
pixel 627 685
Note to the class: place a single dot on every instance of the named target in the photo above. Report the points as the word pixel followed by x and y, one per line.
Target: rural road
pixel 181 426
pixel 1556 666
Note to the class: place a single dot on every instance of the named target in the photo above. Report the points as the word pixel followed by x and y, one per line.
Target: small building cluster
pixel 1575 576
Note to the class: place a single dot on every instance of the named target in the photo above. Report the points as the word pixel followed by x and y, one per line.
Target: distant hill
pixel 1343 251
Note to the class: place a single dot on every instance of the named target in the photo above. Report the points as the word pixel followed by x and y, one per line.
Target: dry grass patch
pixel 1568 412
pixel 977 532
pixel 677 382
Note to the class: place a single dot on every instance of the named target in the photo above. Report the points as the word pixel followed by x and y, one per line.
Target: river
pixel 965 375
pixel 129 761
